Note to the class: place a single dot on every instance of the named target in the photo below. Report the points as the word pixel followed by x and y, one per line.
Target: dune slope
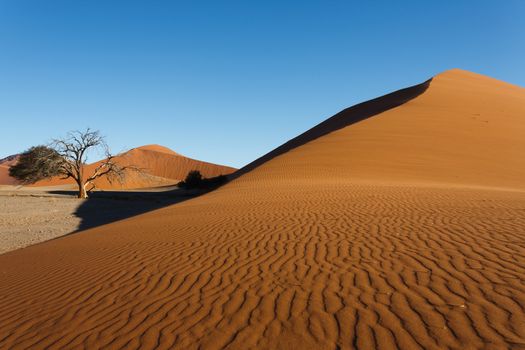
pixel 5 163
pixel 160 166
pixel 338 243
pixel 464 129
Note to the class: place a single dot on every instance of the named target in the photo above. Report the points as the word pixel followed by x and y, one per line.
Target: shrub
pixel 194 180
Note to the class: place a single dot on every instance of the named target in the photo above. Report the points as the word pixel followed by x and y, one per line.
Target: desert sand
pixel 397 224
pixel 159 166
pixel 31 215
pixel 5 163
pixel 162 166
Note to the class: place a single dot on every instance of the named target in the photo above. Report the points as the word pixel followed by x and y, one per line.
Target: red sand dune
pixel 164 163
pixel 399 230
pixel 160 166
pixel 5 179
pixel 5 163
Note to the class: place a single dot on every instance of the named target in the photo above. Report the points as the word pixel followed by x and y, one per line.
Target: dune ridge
pixel 342 119
pixel 339 243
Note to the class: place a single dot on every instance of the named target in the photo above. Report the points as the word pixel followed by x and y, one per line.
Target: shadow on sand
pixel 104 207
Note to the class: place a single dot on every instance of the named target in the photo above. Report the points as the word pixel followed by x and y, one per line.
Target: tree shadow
pixel 104 207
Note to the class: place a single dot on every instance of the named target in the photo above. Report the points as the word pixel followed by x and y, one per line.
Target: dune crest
pixel 157 148
pixel 354 239
pixel 341 120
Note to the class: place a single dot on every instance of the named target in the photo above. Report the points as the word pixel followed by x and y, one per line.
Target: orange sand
pixel 403 230
pixel 5 179
pixel 163 166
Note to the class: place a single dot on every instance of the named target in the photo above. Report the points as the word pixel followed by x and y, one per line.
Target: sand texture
pixel 404 230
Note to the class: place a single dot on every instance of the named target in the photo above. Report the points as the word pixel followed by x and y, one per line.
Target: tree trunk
pixel 82 193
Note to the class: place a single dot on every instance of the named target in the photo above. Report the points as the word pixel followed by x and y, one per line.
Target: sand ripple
pixel 342 266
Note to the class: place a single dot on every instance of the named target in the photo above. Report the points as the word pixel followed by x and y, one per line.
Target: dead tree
pixel 67 158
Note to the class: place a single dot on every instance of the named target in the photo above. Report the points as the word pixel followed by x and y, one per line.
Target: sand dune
pixel 160 167
pixel 403 230
pixel 464 129
pixel 5 163
pixel 5 179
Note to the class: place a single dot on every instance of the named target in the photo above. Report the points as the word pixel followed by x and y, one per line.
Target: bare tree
pixel 67 158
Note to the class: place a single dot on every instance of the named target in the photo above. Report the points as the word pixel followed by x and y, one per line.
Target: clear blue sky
pixel 227 81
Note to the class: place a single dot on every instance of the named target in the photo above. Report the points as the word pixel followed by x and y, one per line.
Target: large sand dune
pixel 464 129
pixel 403 230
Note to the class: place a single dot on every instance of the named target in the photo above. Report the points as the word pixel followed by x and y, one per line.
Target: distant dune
pixel 163 164
pixel 5 163
pixel 160 166
pixel 398 224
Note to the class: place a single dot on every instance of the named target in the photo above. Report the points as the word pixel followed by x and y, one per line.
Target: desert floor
pixel 34 217
pixel 30 215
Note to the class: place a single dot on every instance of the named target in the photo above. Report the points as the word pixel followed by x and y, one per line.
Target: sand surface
pixel 30 215
pixel 34 218
pixel 402 231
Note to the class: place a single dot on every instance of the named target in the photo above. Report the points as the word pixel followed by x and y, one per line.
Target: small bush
pixel 195 180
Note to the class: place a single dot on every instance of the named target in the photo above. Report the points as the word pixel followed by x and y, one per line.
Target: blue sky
pixel 227 81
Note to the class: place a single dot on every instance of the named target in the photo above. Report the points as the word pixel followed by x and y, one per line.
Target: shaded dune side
pixel 341 120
